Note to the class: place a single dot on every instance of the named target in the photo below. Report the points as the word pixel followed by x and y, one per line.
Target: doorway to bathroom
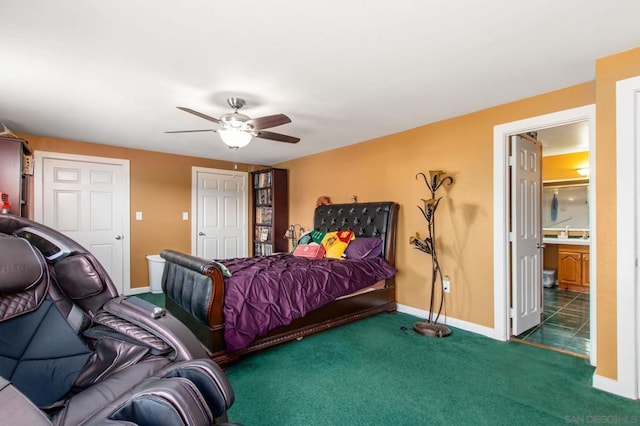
pixel 568 321
pixel 564 213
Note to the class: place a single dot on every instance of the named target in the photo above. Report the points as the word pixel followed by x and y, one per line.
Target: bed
pixel 201 293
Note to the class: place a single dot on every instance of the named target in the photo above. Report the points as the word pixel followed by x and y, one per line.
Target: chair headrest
pixel 21 267
pixel 77 276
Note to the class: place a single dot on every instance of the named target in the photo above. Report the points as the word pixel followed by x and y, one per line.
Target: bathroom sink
pixel 578 240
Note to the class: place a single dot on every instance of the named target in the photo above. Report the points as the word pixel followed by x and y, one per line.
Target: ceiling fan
pixel 236 130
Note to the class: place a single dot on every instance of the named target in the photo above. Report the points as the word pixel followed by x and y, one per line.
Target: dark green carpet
pixel 373 373
pixel 155 298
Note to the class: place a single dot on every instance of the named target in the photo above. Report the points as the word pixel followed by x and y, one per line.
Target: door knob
pixel 540 245
pixel 118 237
pixel 202 234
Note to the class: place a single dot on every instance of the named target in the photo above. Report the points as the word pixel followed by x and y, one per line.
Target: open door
pixel 526 234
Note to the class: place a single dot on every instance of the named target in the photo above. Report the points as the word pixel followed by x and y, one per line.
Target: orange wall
pixel 608 71
pixel 563 167
pixel 160 189
pixel 385 169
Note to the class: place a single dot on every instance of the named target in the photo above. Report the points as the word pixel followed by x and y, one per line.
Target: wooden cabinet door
pixel 585 270
pixel 569 268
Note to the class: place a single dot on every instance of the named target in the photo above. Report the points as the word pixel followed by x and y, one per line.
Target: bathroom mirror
pixel 565 204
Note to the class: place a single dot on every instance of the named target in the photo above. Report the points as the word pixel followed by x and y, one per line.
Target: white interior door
pixel 88 201
pixel 627 297
pixel 220 213
pixel 526 232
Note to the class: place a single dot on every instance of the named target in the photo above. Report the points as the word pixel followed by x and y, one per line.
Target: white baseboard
pixel 453 322
pixel 137 290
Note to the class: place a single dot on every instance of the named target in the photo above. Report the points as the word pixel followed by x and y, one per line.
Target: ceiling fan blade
pixel 199 114
pixel 277 137
pixel 190 131
pixel 269 121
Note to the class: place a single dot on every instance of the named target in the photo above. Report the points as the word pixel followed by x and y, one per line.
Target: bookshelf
pixel 14 174
pixel 270 211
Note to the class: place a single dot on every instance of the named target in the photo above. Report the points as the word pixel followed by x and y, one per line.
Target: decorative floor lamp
pixel 430 326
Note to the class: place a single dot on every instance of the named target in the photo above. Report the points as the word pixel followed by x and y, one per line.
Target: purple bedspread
pixel 266 292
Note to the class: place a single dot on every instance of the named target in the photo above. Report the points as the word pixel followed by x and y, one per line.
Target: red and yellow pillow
pixel 335 243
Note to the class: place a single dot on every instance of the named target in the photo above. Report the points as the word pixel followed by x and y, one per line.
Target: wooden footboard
pixel 195 286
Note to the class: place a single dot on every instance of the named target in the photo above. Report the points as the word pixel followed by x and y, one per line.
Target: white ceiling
pixel 345 71
pixel 564 139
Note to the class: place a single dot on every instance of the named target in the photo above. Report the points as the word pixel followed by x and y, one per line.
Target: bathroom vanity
pixel 570 258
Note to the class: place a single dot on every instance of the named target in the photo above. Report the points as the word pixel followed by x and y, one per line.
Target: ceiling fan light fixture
pixel 236 130
pixel 234 119
pixel 235 138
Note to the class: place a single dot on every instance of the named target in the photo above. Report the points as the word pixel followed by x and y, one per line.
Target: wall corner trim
pixel 613 386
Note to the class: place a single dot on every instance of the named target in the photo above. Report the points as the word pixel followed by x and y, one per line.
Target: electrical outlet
pixel 446 284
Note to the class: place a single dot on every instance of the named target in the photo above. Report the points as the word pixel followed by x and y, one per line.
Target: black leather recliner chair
pixel 74 352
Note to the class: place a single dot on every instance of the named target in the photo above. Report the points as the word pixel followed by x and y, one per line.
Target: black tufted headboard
pixel 364 219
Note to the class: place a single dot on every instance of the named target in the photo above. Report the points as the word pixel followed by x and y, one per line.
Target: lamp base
pixel 431 329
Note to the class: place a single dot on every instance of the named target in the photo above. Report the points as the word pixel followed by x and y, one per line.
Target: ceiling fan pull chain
pixel 235 154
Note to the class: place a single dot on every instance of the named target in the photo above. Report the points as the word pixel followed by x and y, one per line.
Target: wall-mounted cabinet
pixel 15 156
pixel 270 211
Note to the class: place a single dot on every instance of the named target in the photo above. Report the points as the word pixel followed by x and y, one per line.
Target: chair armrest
pixel 17 409
pixel 164 325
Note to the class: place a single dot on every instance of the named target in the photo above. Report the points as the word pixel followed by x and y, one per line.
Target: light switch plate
pixel 138 215
pixel 185 215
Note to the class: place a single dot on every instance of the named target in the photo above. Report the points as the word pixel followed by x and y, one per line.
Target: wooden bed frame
pixel 194 287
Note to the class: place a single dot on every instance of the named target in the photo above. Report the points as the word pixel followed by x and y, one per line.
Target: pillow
pixel 225 271
pixel 310 251
pixel 311 237
pixel 364 248
pixel 335 243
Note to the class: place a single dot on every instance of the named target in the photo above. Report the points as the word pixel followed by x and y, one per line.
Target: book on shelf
pixel 262 249
pixel 262 180
pixel 264 234
pixel 263 196
pixel 264 215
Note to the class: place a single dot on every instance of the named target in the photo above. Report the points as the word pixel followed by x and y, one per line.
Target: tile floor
pixel 565 323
